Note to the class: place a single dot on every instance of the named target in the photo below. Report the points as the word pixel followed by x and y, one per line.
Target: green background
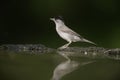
pixel 27 21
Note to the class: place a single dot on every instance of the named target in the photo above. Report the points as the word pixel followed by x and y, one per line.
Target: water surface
pixel 53 66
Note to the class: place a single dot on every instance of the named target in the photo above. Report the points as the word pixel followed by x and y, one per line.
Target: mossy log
pixel 71 51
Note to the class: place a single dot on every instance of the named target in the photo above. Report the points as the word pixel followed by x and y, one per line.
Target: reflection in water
pixel 66 67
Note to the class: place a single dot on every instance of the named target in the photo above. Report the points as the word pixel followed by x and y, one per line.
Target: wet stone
pixel 39 49
pixel 31 48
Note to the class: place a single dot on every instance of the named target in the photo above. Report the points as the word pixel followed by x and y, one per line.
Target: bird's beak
pixel 52 19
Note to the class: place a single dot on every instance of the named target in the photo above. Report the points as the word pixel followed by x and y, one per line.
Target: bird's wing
pixel 68 30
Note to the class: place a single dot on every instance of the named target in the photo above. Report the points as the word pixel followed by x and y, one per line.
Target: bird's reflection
pixel 66 67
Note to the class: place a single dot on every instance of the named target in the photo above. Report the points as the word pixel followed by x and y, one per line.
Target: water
pixel 54 66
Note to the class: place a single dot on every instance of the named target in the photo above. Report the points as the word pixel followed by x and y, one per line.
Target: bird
pixel 66 33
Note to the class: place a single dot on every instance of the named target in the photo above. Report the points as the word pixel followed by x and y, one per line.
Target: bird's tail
pixel 85 40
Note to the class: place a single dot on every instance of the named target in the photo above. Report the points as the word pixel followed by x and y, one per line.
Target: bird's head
pixel 58 20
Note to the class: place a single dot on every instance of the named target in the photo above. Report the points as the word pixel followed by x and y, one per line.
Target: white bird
pixel 67 34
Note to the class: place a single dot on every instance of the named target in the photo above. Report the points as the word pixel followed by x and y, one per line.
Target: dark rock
pixel 32 48
pixel 39 49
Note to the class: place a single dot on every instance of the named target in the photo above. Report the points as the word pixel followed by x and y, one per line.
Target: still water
pixel 54 66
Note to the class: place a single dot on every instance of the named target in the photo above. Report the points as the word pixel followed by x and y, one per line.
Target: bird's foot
pixel 63 47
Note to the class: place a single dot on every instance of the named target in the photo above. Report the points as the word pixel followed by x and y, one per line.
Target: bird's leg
pixel 66 45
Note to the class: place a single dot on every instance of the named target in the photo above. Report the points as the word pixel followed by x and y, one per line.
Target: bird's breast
pixel 63 34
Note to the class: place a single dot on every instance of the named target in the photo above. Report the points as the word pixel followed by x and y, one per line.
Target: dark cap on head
pixel 59 17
